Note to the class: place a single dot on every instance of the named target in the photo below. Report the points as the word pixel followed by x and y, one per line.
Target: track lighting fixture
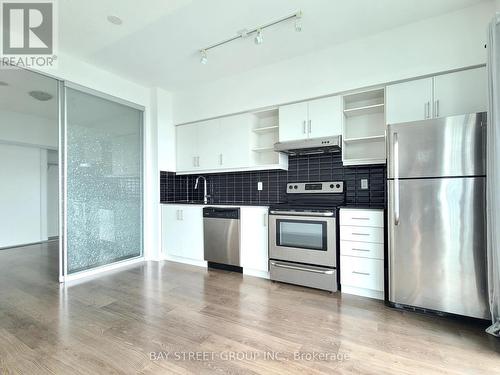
pixel 258 39
pixel 204 57
pixel 298 22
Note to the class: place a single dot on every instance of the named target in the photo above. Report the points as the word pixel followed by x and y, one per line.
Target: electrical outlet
pixel 364 183
pixel 259 186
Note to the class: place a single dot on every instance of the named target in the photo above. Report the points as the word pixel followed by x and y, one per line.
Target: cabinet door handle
pixel 436 109
pixel 194 161
pixel 361 273
pixel 361 218
pixel 309 127
pixel 365 250
pixel 182 215
pixel 304 127
pixel 197 161
pixel 220 159
pixel 360 234
pixel 178 214
pixel 265 220
pixel 427 110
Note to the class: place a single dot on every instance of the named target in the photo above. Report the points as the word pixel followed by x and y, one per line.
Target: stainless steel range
pixel 303 235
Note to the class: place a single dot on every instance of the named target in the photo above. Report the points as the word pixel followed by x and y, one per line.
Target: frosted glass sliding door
pixel 104 180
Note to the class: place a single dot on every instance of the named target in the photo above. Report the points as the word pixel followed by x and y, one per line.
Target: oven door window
pixel 302 234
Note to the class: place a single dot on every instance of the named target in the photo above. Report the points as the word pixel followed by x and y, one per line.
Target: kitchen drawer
pixel 361 234
pixel 363 218
pixel 311 276
pixel 362 249
pixel 362 272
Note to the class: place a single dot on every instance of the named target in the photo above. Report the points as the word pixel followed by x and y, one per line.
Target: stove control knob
pixel 295 187
pixel 290 187
pixel 331 186
pixel 338 186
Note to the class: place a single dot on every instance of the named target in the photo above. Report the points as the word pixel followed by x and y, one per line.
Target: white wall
pixel 24 141
pixel 447 42
pixel 166 131
pixel 20 195
pixel 22 128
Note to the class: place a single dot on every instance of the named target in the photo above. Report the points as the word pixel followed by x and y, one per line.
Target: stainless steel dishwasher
pixel 221 234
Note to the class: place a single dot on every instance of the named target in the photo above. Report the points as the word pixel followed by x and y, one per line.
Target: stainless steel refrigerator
pixel 436 215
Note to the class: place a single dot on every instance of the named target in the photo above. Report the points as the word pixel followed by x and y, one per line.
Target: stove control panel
pixel 315 187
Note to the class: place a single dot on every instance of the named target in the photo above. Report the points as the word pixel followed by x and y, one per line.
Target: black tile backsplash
pixel 241 187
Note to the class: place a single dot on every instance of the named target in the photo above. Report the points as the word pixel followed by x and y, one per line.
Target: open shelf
pixel 267 129
pixel 265 133
pixel 364 110
pixel 263 149
pixel 367 161
pixel 364 128
pixel 365 139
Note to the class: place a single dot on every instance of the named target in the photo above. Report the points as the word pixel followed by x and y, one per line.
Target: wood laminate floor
pixel 214 322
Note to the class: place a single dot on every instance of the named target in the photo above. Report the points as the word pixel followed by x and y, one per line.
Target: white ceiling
pixel 14 97
pixel 158 43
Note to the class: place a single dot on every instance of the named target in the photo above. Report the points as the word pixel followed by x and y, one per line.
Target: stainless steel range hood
pixel 310 146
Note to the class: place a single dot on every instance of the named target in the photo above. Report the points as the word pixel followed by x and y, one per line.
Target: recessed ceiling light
pixel 115 20
pixel 3 83
pixel 40 95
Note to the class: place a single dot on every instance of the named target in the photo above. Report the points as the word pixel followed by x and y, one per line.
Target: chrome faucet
pixel 205 195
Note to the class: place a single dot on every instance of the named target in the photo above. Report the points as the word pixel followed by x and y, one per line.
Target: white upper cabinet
pixel 409 101
pixel 325 117
pixel 227 144
pixel 293 122
pixel 207 137
pixel 233 132
pixel 312 119
pixel 460 92
pixel 440 96
pixel 187 147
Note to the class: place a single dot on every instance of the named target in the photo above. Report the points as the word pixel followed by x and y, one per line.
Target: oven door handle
pixel 280 265
pixel 291 213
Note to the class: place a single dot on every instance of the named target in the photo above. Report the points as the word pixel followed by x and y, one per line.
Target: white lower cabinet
pixel 182 236
pixel 254 241
pixel 362 252
pixel 182 233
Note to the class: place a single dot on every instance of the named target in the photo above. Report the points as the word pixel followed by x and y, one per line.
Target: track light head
pixel 258 38
pixel 298 22
pixel 204 57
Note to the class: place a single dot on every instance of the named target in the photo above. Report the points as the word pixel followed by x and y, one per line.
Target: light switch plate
pixel 259 186
pixel 364 183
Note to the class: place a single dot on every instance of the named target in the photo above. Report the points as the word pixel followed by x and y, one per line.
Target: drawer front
pixel 362 218
pixel 362 234
pixel 362 249
pixel 310 276
pixel 362 272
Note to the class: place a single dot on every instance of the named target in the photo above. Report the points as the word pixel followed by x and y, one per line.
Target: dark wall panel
pixel 241 187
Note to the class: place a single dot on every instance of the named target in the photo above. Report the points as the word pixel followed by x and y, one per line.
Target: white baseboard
pixel 256 273
pixel 362 292
pixel 193 262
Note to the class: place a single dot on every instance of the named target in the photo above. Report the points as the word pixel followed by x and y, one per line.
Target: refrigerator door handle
pixel 396 178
